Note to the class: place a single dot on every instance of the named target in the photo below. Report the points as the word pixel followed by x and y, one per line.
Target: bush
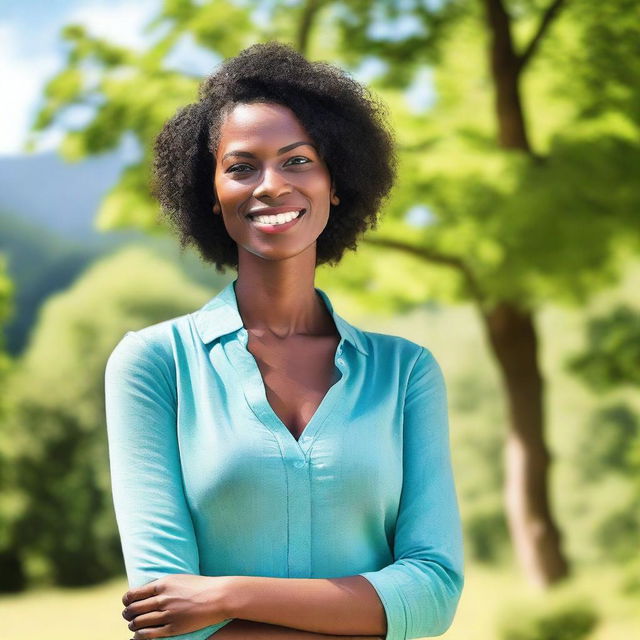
pixel 569 620
pixel 486 535
pixel 61 511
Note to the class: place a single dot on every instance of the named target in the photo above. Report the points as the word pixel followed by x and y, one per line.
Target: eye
pixel 234 168
pixel 305 160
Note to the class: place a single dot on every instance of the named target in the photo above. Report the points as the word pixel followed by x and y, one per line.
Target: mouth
pixel 276 219
pixel 277 223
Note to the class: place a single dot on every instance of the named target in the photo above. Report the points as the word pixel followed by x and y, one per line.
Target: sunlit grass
pixel 78 614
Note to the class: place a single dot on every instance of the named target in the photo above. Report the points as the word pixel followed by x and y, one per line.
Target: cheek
pixel 318 185
pixel 228 191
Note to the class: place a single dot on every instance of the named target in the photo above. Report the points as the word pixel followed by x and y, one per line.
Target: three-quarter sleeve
pixel 155 526
pixel 420 590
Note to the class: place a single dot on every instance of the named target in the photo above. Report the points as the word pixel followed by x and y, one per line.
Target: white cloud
pixel 25 67
pixel 21 82
pixel 122 23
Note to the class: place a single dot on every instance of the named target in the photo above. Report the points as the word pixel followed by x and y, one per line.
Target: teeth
pixel 281 218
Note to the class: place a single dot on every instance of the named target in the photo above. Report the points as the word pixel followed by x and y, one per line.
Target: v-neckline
pixel 254 389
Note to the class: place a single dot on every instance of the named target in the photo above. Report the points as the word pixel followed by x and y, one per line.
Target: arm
pixel 153 519
pixel 421 589
pixel 336 606
pixel 242 629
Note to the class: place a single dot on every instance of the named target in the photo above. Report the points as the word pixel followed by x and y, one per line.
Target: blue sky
pixel 31 51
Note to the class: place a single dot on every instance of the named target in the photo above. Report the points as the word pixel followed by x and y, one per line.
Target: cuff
pixel 393 604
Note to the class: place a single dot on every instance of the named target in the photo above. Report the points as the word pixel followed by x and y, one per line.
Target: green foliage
pixel 10 566
pixel 609 468
pixel 611 442
pixel 40 263
pixel 610 35
pixel 57 499
pixel 617 533
pixel 551 225
pixel 612 355
pixel 560 620
pixel 486 535
pixel 404 35
pixel 6 311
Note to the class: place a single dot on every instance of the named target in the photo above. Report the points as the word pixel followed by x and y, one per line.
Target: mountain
pixel 56 195
pixel 47 209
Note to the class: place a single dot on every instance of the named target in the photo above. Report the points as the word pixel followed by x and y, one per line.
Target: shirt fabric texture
pixel 206 479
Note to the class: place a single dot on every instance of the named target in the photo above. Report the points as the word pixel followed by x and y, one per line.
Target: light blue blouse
pixel 206 478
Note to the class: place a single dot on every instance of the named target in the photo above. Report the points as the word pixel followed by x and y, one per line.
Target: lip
pixel 272 211
pixel 277 228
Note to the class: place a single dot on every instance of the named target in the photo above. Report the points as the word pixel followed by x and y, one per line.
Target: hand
pixel 175 604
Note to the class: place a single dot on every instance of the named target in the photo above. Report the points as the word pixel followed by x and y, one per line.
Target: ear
pixel 216 205
pixel 335 200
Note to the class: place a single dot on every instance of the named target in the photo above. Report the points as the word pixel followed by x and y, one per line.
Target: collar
pixel 220 316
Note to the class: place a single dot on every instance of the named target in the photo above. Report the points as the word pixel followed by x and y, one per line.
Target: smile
pixel 277 223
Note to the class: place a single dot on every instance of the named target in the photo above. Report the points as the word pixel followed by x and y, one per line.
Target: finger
pixel 152 632
pixel 154 619
pixel 141 606
pixel 139 593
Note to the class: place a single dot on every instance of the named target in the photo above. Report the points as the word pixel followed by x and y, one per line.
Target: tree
pixel 610 360
pixel 520 166
pixel 56 441
pixel 6 310
pixel 10 567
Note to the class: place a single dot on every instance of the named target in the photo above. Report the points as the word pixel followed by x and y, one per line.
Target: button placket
pixel 299 521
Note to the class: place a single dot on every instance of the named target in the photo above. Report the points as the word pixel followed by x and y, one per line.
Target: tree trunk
pixel 535 536
pixel 305 25
pixel 513 337
pixel 505 72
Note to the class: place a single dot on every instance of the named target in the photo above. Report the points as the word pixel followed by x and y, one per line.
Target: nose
pixel 272 185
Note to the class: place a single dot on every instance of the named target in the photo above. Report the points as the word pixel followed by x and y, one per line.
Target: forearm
pixel 335 606
pixel 241 629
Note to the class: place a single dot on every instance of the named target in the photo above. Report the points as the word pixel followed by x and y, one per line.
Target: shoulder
pixel 397 348
pixel 151 348
pixel 414 364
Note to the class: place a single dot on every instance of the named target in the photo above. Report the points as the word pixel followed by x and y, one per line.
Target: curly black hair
pixel 348 125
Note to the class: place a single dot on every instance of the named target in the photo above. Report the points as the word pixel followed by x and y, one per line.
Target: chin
pixel 273 254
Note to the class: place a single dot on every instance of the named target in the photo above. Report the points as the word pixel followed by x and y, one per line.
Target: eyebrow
pixel 247 154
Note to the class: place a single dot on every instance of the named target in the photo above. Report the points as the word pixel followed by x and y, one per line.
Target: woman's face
pixel 267 164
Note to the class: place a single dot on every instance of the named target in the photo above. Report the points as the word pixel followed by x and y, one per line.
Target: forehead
pixel 261 123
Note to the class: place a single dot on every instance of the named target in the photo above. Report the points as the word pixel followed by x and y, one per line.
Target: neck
pixel 279 297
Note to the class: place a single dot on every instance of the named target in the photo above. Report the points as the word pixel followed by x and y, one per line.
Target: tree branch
pixel 547 18
pixel 431 255
pixel 309 12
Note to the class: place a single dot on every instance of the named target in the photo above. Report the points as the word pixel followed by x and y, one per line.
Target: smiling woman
pixel 344 126
pixel 276 471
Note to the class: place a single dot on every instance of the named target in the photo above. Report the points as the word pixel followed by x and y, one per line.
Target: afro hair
pixel 348 125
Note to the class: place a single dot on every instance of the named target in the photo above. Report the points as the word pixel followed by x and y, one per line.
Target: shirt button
pixel 299 464
pixel 340 361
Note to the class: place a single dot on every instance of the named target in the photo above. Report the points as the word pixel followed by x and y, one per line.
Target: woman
pixel 276 471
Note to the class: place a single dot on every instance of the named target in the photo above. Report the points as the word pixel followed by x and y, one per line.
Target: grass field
pixel 95 613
